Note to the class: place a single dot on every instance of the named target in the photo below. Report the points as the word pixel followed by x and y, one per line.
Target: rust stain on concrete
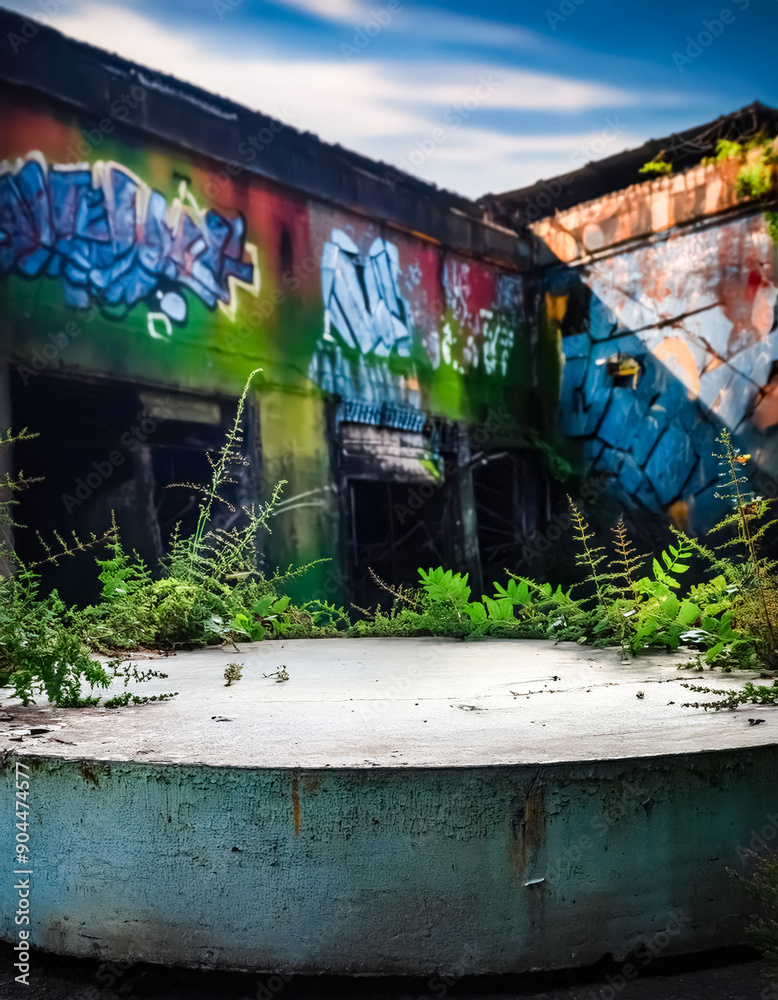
pixel 529 827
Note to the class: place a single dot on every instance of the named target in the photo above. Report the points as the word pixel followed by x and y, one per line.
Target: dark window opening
pixel 108 447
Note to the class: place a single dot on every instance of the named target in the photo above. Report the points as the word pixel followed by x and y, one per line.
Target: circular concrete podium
pixel 397 806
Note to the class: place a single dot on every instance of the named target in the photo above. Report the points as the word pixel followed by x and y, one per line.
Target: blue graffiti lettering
pixel 114 241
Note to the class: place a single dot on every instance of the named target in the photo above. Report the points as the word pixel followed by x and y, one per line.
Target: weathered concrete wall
pixel 640 210
pixel 389 870
pixel 675 281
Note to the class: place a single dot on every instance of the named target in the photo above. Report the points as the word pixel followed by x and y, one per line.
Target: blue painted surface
pixel 697 312
pixel 388 870
pixel 362 300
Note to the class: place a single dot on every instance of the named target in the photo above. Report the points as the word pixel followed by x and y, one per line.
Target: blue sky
pixel 474 97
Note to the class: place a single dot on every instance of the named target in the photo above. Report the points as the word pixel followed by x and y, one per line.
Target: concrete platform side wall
pixel 454 870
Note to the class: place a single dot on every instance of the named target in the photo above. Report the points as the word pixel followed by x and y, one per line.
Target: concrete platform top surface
pixel 423 702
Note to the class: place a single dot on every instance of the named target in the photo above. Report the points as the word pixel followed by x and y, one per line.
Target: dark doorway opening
pixel 514 499
pixel 107 447
pixel 397 527
pixel 400 508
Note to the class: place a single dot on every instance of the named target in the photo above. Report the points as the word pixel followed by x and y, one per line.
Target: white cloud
pixel 457 161
pixel 513 89
pixel 340 11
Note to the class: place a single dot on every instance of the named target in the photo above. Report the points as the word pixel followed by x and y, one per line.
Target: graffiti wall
pixel 114 242
pixel 411 330
pixel 144 263
pixel 142 238
pixel 662 346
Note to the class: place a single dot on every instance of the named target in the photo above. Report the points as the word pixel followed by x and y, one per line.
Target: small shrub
pixel 751 694
pixel 40 648
pixel 281 675
pixel 657 168
pixel 754 179
pixel 233 673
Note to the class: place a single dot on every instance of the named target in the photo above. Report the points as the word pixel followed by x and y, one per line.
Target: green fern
pixel 591 558
pixel 626 563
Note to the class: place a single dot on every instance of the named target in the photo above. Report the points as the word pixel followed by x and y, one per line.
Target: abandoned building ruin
pixel 435 371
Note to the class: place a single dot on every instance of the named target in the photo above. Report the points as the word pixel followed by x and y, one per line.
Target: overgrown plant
pixel 757 156
pixel 657 167
pixel 761 883
pixel 591 558
pixel 620 601
pixel 210 589
pixel 233 673
pixel 749 694
pixel 749 522
pixel 10 485
pixel 626 563
pixel 41 651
